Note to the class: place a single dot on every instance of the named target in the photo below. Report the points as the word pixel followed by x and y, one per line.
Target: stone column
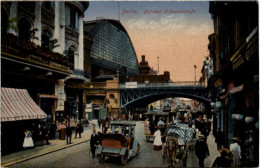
pixel 13 14
pixel 38 23
pixel 81 43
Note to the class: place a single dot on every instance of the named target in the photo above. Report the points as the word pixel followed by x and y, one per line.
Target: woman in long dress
pixel 157 143
pixel 146 127
pixel 236 151
pixel 28 141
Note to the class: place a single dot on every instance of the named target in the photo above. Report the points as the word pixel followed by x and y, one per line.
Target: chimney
pixel 143 58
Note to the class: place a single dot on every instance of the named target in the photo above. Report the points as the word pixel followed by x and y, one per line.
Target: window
pixel 24 27
pixel 46 35
pixel 111 96
pixel 4 20
pixel 71 18
pixel 71 52
pixel 48 5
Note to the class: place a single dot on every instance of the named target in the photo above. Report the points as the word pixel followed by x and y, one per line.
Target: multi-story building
pixel 234 87
pixel 109 59
pixel 42 52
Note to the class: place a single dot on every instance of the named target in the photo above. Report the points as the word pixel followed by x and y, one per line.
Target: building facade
pixel 42 52
pixel 109 59
pixel 234 87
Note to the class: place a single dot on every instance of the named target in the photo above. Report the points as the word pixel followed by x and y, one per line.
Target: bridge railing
pixel 172 84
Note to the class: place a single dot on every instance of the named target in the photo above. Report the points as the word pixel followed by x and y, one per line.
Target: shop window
pixel 46 35
pixel 24 27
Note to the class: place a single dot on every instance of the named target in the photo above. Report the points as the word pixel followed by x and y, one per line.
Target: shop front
pixel 18 112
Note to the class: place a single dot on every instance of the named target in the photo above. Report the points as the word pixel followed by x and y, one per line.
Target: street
pixel 79 156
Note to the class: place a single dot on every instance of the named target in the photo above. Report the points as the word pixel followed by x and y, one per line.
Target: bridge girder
pixel 143 97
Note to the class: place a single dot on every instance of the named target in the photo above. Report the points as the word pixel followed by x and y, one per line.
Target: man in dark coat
pixel 219 138
pixel 201 150
pixel 79 130
pixel 53 129
pixel 104 122
pixel 94 142
pixel 45 134
pixel 68 133
pixel 222 161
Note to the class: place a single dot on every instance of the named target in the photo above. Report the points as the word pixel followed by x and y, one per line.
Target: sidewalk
pixel 54 145
pixel 193 161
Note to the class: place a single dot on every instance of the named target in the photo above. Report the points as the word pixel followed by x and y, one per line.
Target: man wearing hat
pixel 94 142
pixel 201 149
pixel 236 151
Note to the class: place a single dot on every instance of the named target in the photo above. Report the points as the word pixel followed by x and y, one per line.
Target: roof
pixel 16 104
pixel 89 26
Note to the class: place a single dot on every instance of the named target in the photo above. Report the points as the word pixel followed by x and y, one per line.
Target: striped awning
pixel 16 104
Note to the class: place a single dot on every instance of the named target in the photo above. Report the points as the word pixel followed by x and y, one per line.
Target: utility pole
pixel 158 66
pixel 195 66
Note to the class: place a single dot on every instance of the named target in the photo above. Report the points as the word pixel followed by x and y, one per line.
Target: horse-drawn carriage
pixel 120 142
pixel 178 138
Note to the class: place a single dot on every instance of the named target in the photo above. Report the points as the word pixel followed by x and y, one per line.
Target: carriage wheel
pixel 124 158
pixel 101 158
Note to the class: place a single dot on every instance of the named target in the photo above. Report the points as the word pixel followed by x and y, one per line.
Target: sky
pixel 175 31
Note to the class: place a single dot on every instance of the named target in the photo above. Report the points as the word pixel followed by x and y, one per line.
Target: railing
pixel 95 85
pixel 80 73
pixel 173 84
pixel 13 47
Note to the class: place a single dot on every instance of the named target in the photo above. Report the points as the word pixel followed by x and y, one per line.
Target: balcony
pixel 80 73
pixel 14 48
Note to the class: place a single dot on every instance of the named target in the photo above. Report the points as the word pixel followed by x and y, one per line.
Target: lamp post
pixel 158 66
pixel 195 66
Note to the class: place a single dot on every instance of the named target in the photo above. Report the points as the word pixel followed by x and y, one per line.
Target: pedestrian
pixel 160 122
pixel 163 138
pixel 79 130
pixel 62 130
pixel 53 129
pixel 93 125
pixel 45 134
pixel 103 124
pixel 99 122
pixel 222 161
pixel 28 141
pixel 201 149
pixel 146 127
pixel 219 138
pixel 157 143
pixel 94 142
pixel 229 152
pixel 236 151
pixel 68 134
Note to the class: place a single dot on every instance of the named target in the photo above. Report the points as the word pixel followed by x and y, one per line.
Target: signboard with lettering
pixel 131 84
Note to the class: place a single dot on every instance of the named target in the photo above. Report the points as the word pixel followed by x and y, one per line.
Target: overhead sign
pixel 131 84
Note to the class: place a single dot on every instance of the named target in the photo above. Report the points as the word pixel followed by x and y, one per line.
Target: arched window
pixel 46 35
pixel 111 96
pixel 24 27
pixel 71 52
pixel 4 20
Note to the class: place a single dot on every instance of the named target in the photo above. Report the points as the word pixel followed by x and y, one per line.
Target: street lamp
pixel 195 66
pixel 158 66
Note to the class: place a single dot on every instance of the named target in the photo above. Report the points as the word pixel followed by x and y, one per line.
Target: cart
pixel 119 144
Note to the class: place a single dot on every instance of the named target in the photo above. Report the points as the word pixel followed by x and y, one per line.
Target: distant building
pixel 110 59
pixel 148 75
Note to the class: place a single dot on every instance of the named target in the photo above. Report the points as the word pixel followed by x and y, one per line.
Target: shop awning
pixel 16 104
